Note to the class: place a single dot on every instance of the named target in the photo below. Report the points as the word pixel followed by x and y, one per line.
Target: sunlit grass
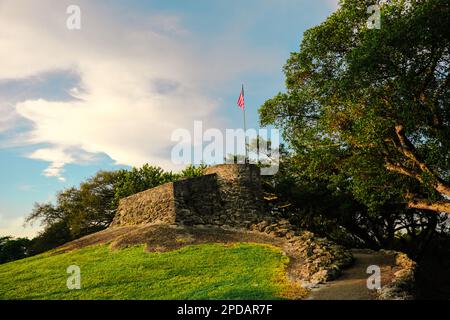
pixel 212 271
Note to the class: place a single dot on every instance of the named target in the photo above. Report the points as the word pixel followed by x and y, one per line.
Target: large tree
pixel 370 107
pixel 13 249
pixel 80 211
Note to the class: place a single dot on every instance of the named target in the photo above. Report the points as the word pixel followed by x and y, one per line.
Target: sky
pixel 109 95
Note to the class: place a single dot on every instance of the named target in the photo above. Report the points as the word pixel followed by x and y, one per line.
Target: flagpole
pixel 245 130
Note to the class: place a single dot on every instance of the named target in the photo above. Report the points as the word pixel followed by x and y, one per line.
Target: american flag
pixel 241 102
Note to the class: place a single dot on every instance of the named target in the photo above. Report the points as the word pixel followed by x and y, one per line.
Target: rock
pixel 290 235
pixel 317 251
pixel 333 273
pixel 325 275
pixel 309 285
pixel 263 224
pixel 319 277
pixel 282 232
pixel 402 286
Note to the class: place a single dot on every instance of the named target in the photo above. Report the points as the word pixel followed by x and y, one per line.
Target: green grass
pixel 212 271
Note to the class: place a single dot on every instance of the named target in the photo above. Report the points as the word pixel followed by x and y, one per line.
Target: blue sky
pixel 109 95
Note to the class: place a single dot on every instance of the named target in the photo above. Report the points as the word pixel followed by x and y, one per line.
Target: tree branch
pixel 408 150
pixel 438 206
pixel 403 171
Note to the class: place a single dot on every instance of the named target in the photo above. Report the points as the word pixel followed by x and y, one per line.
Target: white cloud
pixel 58 158
pixel 8 116
pixel 140 79
pixel 14 226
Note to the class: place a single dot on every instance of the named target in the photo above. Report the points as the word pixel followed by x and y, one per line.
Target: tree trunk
pixel 407 149
pixel 438 206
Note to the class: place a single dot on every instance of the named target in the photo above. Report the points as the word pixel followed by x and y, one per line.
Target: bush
pixel 13 249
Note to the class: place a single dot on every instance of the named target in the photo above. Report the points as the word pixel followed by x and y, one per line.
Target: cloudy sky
pixel 109 95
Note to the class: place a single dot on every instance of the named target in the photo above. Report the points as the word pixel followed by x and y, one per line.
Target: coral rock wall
pixel 226 195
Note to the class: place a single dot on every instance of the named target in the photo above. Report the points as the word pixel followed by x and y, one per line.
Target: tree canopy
pixel 13 249
pixel 368 109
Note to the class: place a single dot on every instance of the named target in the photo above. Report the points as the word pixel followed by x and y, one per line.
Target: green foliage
pixel 328 208
pixel 213 271
pixel 55 234
pixel 368 110
pixel 140 179
pixel 79 211
pixel 192 171
pixel 13 249
pixel 147 177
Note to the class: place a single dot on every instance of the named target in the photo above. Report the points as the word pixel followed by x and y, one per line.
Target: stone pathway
pixel 352 285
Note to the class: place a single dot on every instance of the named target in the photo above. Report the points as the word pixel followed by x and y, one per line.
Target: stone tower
pixel 228 194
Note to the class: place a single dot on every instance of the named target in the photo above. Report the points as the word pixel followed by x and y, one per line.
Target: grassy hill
pixel 207 271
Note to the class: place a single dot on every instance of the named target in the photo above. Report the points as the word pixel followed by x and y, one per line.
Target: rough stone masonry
pixel 228 194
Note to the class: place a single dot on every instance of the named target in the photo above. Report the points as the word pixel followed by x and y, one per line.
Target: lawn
pixel 212 271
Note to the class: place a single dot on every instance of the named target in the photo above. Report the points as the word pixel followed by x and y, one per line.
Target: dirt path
pixel 352 285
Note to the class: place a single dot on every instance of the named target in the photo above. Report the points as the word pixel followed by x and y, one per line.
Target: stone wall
pixel 320 259
pixel 240 192
pixel 226 195
pixel 197 200
pixel 152 206
pixel 402 286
